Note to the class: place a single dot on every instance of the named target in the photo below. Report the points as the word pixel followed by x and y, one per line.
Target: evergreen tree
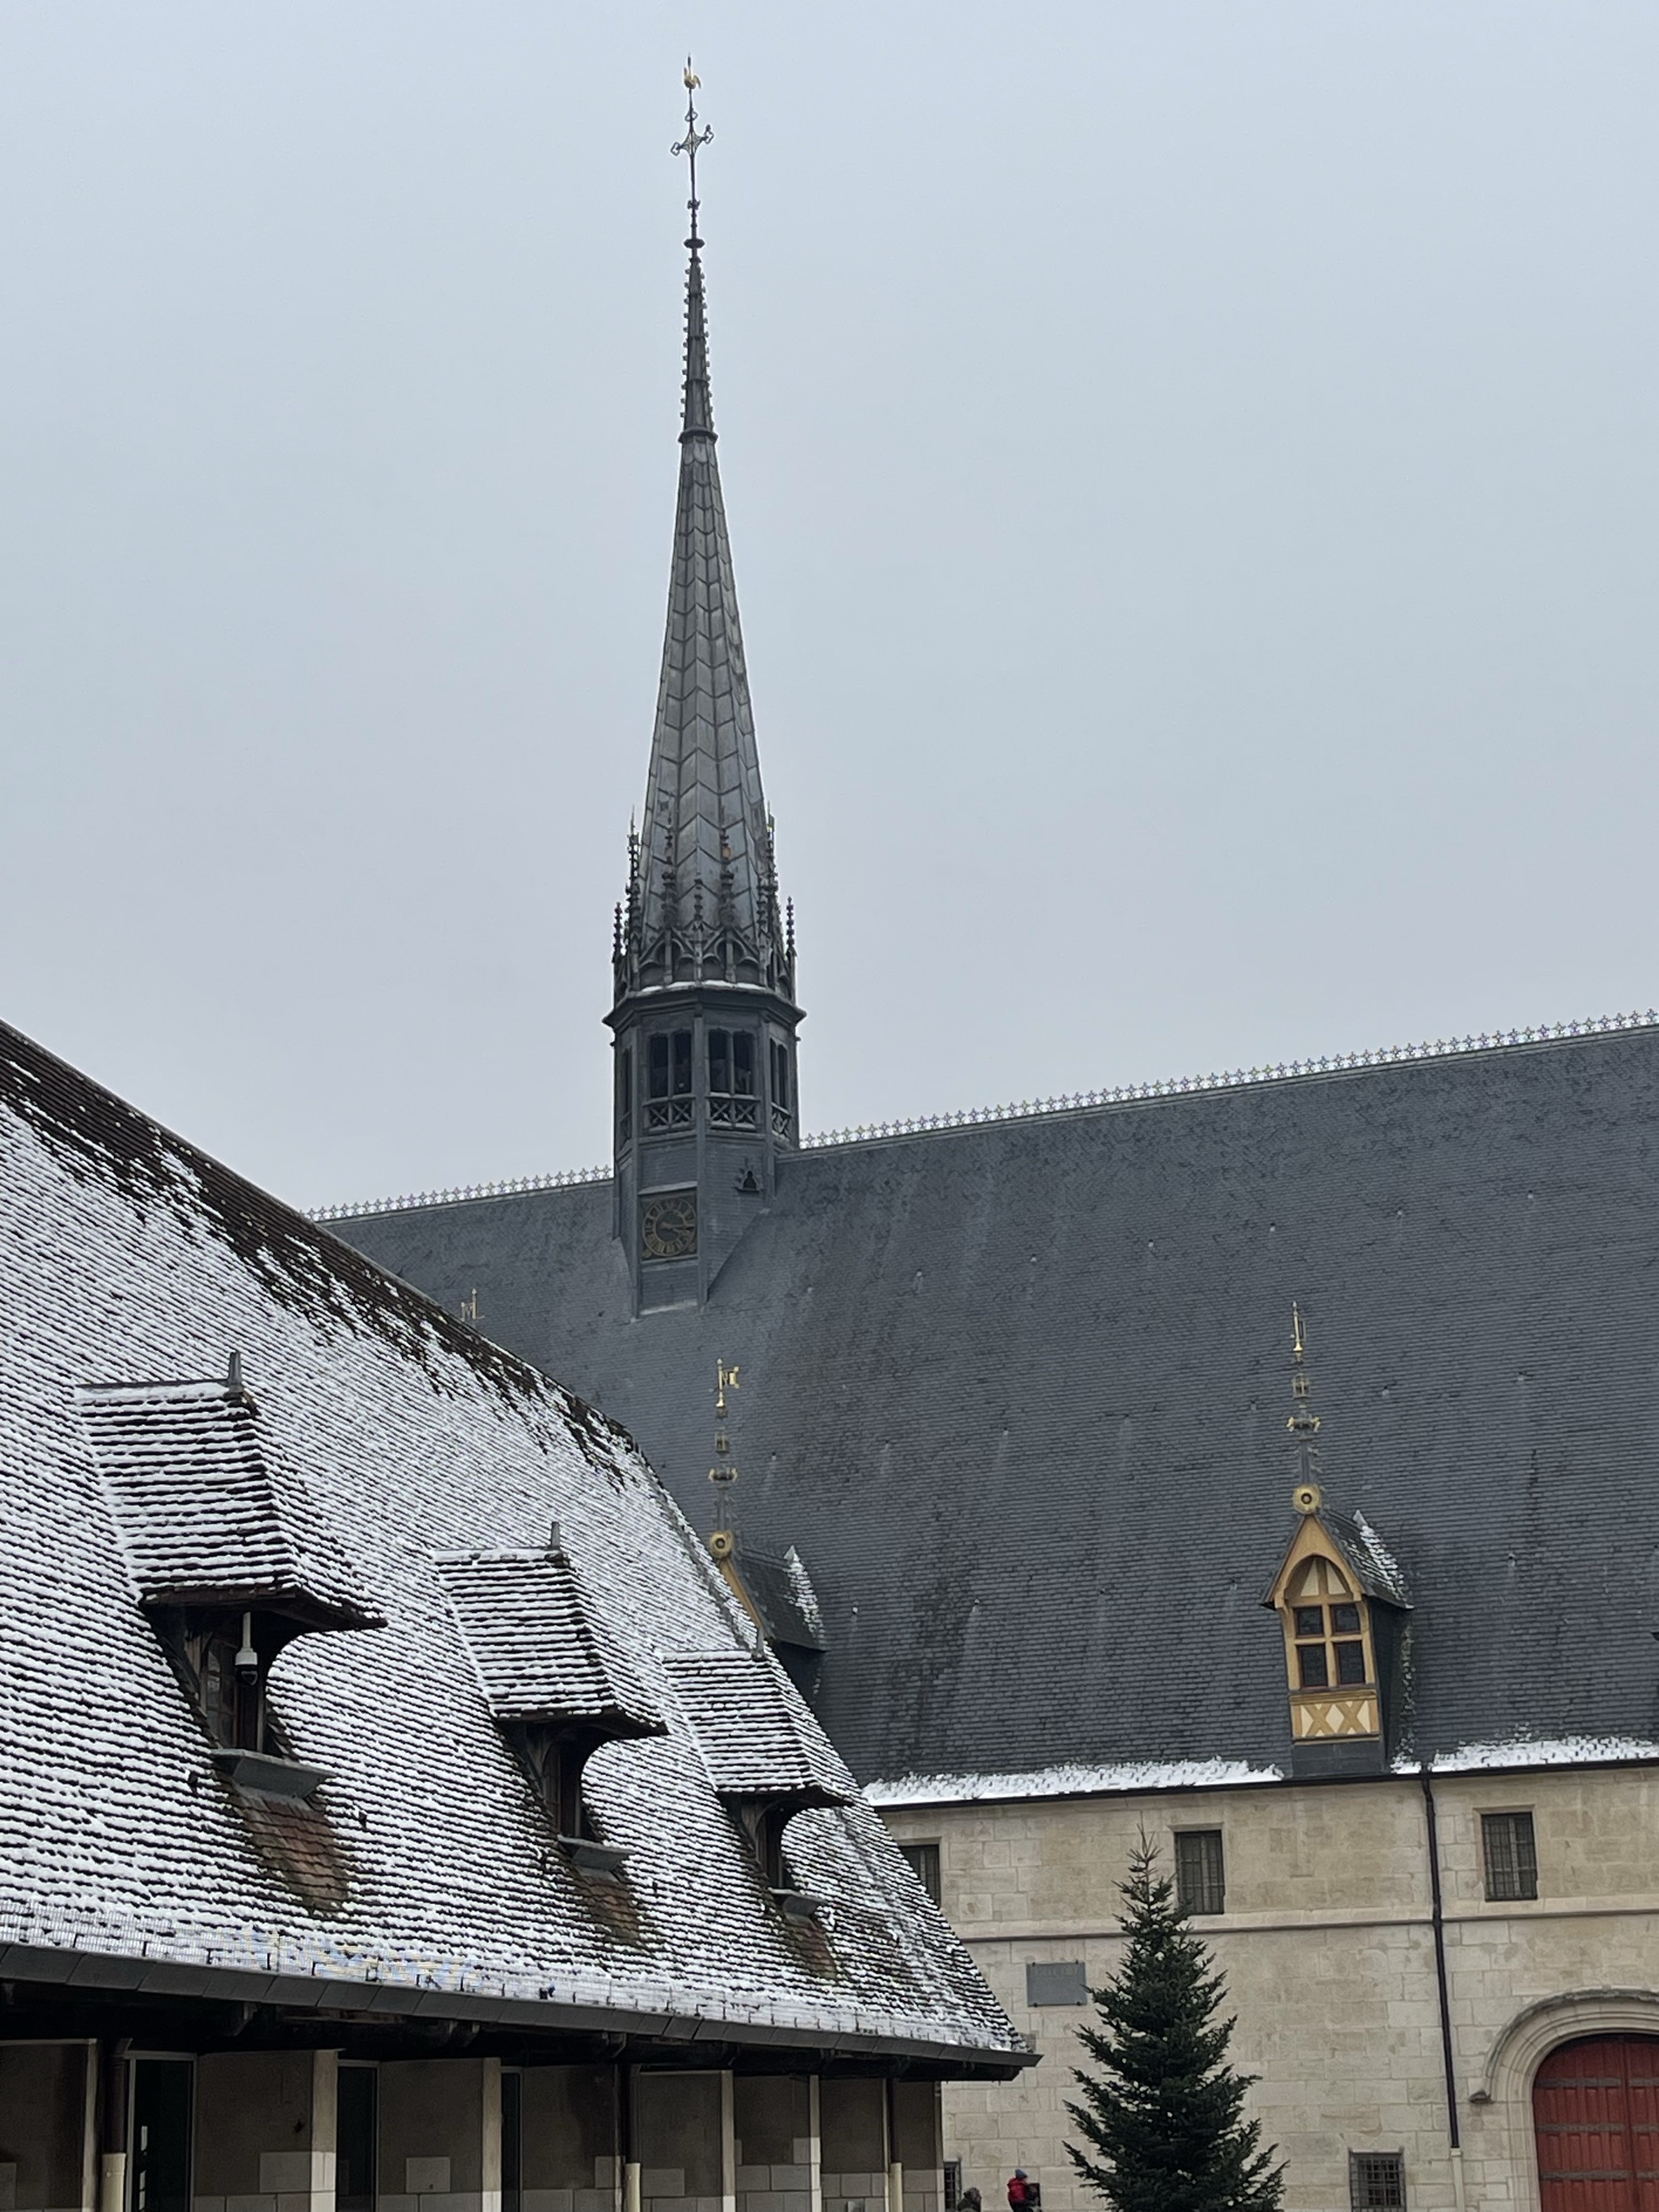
pixel 1163 2113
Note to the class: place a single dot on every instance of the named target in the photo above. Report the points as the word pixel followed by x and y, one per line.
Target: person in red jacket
pixel 1024 2193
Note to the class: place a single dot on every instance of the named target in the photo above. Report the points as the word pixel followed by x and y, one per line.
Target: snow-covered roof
pixel 204 1511
pixel 757 1738
pixel 544 1650
pixel 384 1437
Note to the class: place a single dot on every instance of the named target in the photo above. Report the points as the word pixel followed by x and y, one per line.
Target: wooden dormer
pixel 1341 1607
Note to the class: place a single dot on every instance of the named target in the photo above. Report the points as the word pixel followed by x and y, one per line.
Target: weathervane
pixel 692 144
pixel 1303 1424
pixel 722 1474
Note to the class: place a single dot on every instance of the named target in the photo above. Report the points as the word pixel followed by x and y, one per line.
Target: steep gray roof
pixel 420 1878
pixel 205 1511
pixel 702 895
pixel 1018 1391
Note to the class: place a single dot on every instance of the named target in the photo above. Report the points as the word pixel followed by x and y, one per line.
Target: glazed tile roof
pixel 1017 1391
pixel 427 1883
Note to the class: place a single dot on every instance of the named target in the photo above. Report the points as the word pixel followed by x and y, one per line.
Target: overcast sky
pixel 1192 470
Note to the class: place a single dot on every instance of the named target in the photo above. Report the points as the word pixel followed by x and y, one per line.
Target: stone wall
pixel 46 2162
pixel 1327 1944
pixel 264 2131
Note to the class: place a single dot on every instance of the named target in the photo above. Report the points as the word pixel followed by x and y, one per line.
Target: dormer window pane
pixel 1350 1663
pixel 1311 1662
pixel 1345 1620
pixel 1311 1619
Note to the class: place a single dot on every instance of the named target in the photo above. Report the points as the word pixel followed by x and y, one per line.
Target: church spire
pixel 704 1016
pixel 702 901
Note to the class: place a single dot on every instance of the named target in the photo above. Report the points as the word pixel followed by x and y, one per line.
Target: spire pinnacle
pixel 691 145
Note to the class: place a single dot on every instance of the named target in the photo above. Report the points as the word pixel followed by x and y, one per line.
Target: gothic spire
pixel 703 896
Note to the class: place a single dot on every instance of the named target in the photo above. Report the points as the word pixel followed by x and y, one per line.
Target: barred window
pixel 923 1861
pixel 1201 1871
pixel 1376 2180
pixel 1510 1851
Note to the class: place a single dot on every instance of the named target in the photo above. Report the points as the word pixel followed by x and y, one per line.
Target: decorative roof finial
pixel 722 1474
pixel 1303 1424
pixel 691 145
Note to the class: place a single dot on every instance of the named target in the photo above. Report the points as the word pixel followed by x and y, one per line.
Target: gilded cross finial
pixel 692 144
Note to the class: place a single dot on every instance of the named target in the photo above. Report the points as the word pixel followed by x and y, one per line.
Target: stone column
pixel 46 2106
pixel 776 2126
pixel 440 2135
pixel 264 2131
pixel 918 2147
pixel 684 2144
pixel 569 2125
pixel 854 2130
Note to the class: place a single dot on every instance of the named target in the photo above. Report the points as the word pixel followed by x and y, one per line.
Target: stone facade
pixel 1327 1943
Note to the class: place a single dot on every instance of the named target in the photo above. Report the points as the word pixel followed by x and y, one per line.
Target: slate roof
pixel 702 884
pixel 1018 1391
pixel 427 1883
pixel 206 1512
pixel 543 1648
pixel 757 1738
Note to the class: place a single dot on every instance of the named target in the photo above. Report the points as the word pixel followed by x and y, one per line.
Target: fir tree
pixel 1163 2112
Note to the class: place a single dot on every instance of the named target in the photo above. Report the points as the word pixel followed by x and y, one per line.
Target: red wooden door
pixel 1595 2107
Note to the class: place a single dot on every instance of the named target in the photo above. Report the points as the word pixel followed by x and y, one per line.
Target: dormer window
pixel 557 1683
pixel 765 1759
pixel 1341 1607
pixel 226 1554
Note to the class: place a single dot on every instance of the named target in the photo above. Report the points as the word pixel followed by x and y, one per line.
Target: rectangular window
pixel 742 1064
pixel 720 1062
pixel 1376 2180
pixel 781 1075
pixel 1313 1669
pixel 923 1861
pixel 624 1086
pixel 1350 1663
pixel 1310 1620
pixel 1201 1871
pixel 1510 1851
pixel 1345 1620
pixel 357 2132
pixel 952 2184
pixel 512 2142
pixel 658 1067
pixel 161 2135
pixel 681 1042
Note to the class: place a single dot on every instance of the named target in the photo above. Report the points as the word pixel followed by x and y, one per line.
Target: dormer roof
pixel 206 1511
pixel 543 1648
pixel 1358 1548
pixel 757 1738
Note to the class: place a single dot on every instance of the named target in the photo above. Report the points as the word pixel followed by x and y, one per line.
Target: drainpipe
pixel 1438 1918
pixel 113 2122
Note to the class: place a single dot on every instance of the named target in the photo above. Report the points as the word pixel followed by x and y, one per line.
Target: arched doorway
pixel 1596 2114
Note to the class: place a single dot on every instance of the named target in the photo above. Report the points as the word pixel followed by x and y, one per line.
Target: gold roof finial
pixel 1303 1424
pixel 723 1474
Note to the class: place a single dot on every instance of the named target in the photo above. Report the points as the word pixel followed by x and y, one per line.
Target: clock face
pixel 668 1226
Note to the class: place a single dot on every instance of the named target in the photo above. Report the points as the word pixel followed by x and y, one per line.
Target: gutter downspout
pixel 628 2160
pixel 1438 1920
pixel 895 2167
